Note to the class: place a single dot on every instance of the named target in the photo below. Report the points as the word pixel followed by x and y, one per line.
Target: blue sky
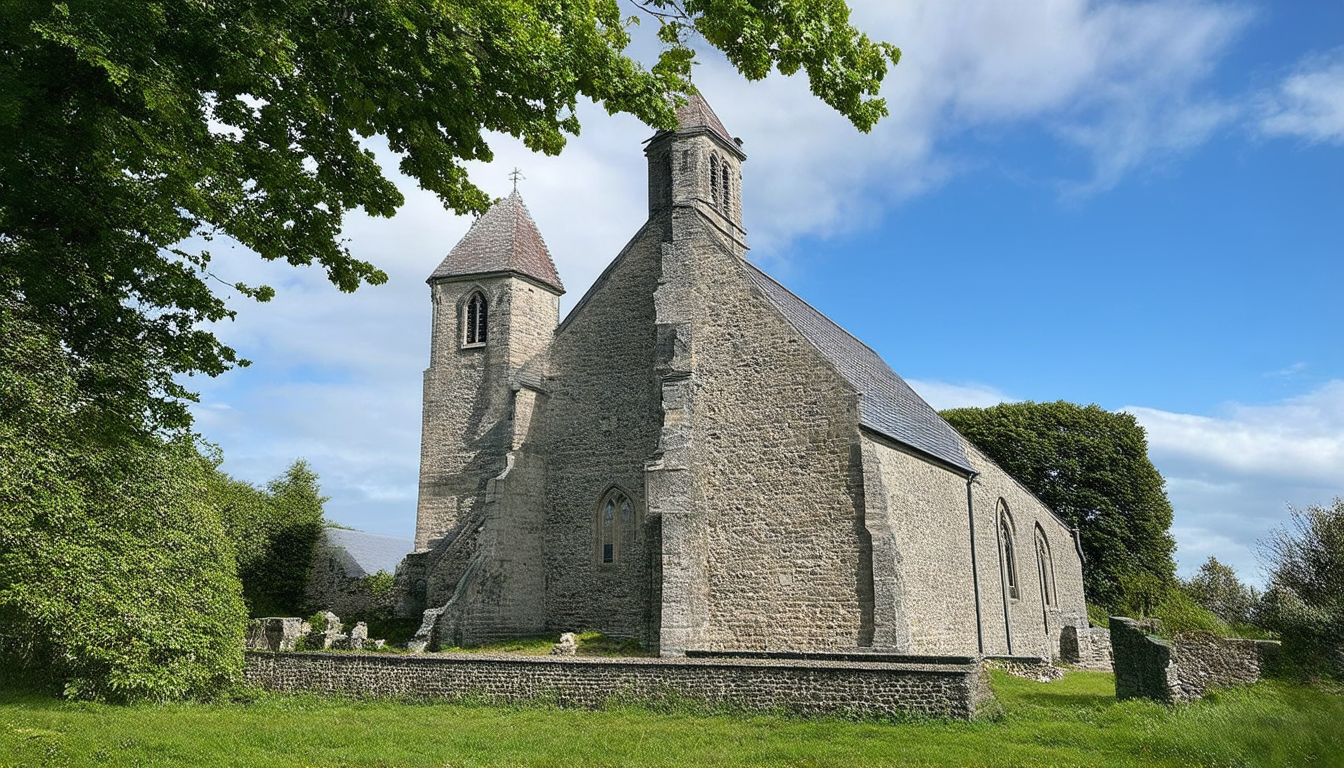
pixel 1139 205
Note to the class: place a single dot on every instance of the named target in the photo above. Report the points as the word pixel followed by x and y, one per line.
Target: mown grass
pixel 1074 721
pixel 589 644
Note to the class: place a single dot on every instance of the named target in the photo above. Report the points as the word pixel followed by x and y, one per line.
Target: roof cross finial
pixel 516 175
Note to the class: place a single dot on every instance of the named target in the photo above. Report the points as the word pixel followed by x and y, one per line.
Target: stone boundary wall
pixel 1184 668
pixel 861 689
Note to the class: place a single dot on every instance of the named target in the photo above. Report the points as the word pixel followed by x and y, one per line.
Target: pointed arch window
pixel 1007 558
pixel 614 511
pixel 714 179
pixel 476 320
pixel 1045 566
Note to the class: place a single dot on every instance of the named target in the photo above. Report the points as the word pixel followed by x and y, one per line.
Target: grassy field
pixel 1075 721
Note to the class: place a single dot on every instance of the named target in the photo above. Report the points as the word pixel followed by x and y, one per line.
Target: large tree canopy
pixel 1091 467
pixel 130 126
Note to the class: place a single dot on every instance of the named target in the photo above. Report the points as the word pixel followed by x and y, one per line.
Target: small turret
pixel 698 165
pixel 496 303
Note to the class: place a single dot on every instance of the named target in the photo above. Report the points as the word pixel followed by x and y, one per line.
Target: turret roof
pixel 503 239
pixel 696 113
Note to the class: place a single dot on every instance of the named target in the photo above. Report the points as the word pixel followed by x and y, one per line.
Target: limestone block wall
pixel 918 519
pixel 601 422
pixel 803 687
pixel 776 465
pixel 1025 624
pixel 1144 666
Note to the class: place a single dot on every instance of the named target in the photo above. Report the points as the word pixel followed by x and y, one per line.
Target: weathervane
pixel 516 175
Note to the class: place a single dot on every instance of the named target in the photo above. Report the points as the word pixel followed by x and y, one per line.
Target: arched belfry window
pixel 612 515
pixel 714 179
pixel 475 320
pixel 1007 557
pixel 727 197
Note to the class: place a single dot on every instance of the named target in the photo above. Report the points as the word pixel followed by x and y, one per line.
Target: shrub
pixel 1217 589
pixel 1305 601
pixel 116 580
pixel 274 533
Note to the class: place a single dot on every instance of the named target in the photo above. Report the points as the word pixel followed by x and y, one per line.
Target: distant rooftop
pixel 363 554
pixel 503 239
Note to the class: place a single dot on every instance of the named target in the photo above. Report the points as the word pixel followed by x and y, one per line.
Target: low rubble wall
pixel 1185 667
pixel 863 689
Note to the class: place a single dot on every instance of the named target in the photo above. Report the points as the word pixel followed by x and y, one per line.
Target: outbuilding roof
pixel 362 553
pixel 503 239
pixel 887 405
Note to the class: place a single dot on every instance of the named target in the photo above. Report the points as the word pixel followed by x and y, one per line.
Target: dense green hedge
pixel 117 581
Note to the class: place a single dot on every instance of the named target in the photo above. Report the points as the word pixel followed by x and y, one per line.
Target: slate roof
pixel 886 403
pixel 363 553
pixel 695 113
pixel 504 239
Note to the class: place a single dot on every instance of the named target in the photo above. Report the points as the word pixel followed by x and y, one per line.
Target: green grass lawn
pixel 1074 721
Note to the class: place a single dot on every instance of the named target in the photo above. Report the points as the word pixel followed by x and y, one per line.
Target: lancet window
pixel 476 320
pixel 613 513
pixel 1007 559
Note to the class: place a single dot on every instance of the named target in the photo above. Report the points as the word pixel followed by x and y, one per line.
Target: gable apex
pixel 503 239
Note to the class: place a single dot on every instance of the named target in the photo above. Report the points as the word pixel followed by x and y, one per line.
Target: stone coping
pixel 953 663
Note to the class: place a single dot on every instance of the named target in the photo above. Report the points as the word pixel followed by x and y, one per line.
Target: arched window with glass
pixel 714 180
pixel 613 514
pixel 475 320
pixel 1007 554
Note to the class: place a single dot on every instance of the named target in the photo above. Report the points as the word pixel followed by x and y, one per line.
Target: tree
pixel 116 580
pixel 1305 600
pixel 1216 588
pixel 274 532
pixel 128 127
pixel 1091 467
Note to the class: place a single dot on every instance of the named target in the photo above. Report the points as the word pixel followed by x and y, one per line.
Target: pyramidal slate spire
pixel 504 239
pixel 696 113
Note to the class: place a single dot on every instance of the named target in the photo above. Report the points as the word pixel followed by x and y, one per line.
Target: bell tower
pixel 496 304
pixel 699 166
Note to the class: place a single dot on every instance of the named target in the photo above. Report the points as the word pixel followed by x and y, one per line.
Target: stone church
pixel 696 458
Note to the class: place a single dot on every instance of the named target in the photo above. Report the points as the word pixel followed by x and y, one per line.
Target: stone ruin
pixel 277 634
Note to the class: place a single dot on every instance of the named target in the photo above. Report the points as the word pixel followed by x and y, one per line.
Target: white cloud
pixel 1231 477
pixel 337 377
pixel 1309 103
pixel 942 395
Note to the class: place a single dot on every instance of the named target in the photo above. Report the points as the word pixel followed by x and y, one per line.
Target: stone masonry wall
pixel 802 687
pixel 777 466
pixel 1035 626
pixel 916 513
pixel 1185 667
pixel 1205 661
pixel 601 422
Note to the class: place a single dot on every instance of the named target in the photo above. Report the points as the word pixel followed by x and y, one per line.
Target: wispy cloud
pixel 942 395
pixel 1231 476
pixel 337 377
pixel 1309 103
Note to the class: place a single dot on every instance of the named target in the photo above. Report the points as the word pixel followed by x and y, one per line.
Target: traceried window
pixel 714 180
pixel 615 511
pixel 1007 559
pixel 476 322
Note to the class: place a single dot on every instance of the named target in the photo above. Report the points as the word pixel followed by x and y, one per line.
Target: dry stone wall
pixel 801 687
pixel 1186 667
